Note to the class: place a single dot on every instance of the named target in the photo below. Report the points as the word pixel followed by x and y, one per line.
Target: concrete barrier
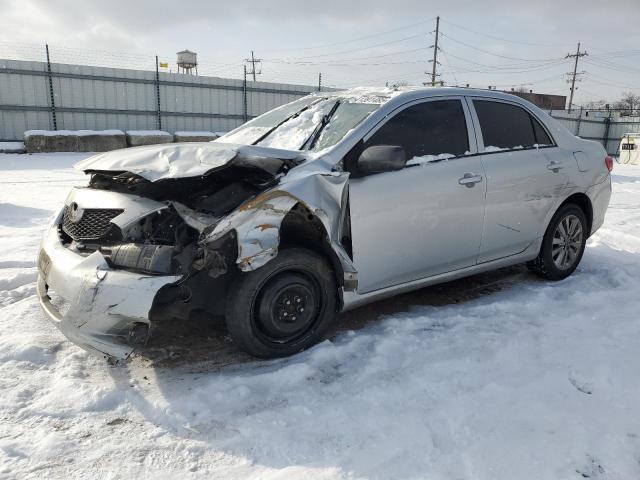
pixel 12 147
pixel 137 138
pixel 102 142
pixel 194 136
pixel 73 140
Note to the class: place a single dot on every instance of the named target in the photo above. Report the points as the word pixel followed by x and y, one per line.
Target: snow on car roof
pixel 380 95
pixel 377 95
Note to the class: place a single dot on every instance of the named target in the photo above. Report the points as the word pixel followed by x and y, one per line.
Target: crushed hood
pixel 159 162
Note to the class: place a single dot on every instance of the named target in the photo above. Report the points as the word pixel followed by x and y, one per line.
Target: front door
pixel 427 218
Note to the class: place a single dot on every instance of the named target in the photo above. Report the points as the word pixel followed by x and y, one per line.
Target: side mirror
pixel 382 158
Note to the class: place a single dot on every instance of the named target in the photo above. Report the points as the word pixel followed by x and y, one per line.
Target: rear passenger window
pixel 508 126
pixel 429 128
pixel 542 138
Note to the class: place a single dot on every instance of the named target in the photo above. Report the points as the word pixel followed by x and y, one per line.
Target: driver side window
pixel 429 128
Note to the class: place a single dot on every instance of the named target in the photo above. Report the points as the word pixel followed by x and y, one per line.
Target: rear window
pixel 508 126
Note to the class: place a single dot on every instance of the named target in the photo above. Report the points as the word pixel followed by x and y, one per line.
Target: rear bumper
pixel 95 306
pixel 600 195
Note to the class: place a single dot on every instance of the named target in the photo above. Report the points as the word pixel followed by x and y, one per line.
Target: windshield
pixel 346 117
pixel 313 123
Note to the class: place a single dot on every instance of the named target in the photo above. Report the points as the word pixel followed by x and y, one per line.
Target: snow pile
pixel 144 133
pixel 491 149
pixel 377 95
pixel 137 138
pixel 12 147
pixel 530 380
pixel 429 158
pixel 196 134
pixel 71 133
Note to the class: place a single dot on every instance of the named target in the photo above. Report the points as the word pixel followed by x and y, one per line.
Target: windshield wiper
pixel 293 115
pixel 318 130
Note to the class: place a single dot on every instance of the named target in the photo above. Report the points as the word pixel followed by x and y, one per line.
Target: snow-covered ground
pixel 530 380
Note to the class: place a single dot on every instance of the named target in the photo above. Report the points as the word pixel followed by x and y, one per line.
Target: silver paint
pixel 425 224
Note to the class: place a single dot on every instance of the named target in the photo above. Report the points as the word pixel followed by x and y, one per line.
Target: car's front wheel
pixel 563 244
pixel 284 306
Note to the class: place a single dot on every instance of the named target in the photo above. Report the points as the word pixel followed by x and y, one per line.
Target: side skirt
pixel 353 300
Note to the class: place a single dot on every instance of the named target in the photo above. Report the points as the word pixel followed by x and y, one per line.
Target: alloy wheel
pixel 567 242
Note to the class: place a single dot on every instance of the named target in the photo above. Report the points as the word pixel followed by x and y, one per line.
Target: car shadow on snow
pixel 193 383
pixel 203 344
pixel 335 408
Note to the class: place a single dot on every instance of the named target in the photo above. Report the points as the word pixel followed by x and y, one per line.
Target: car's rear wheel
pixel 284 306
pixel 563 244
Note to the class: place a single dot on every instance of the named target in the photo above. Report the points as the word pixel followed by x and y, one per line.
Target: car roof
pixel 381 95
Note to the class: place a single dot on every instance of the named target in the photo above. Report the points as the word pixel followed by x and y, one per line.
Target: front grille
pixel 91 224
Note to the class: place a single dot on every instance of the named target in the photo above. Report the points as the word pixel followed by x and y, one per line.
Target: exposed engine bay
pixel 163 242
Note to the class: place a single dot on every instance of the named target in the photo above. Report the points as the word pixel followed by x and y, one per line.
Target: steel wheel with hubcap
pixel 563 244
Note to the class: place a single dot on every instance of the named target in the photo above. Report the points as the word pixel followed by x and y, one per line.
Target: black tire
pixel 284 306
pixel 544 264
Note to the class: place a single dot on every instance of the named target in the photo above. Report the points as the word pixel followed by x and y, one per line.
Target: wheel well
pixel 584 203
pixel 301 228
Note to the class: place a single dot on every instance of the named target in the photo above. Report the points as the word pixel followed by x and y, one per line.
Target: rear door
pixel 526 176
pixel 427 218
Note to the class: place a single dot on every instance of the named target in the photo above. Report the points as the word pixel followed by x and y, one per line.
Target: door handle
pixel 470 179
pixel 554 165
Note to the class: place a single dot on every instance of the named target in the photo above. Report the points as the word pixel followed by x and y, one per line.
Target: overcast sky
pixel 503 43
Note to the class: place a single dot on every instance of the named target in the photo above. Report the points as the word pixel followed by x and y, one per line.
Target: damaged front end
pixel 162 231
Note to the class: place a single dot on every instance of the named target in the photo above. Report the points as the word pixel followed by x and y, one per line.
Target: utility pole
pixel 435 54
pixel 320 82
pixel 253 62
pixel 573 75
pixel 245 116
pixel 52 97
pixel 159 116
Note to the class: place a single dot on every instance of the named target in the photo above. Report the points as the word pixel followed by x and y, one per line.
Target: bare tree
pixel 596 105
pixel 629 103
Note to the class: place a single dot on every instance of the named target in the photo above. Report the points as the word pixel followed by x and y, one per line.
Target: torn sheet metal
pixel 196 220
pixel 180 160
pixel 257 222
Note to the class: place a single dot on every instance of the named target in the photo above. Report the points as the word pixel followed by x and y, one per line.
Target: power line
pixel 605 81
pixel 328 62
pixel 354 50
pixel 357 39
pixel 467 29
pixel 492 53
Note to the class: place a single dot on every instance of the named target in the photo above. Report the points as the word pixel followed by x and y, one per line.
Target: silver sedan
pixel 321 205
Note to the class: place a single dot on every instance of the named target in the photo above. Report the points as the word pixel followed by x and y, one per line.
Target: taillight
pixel 608 161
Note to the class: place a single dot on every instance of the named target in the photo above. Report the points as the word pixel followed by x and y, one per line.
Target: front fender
pixel 257 222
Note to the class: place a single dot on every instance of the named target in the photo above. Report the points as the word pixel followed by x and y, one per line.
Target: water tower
pixel 188 61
